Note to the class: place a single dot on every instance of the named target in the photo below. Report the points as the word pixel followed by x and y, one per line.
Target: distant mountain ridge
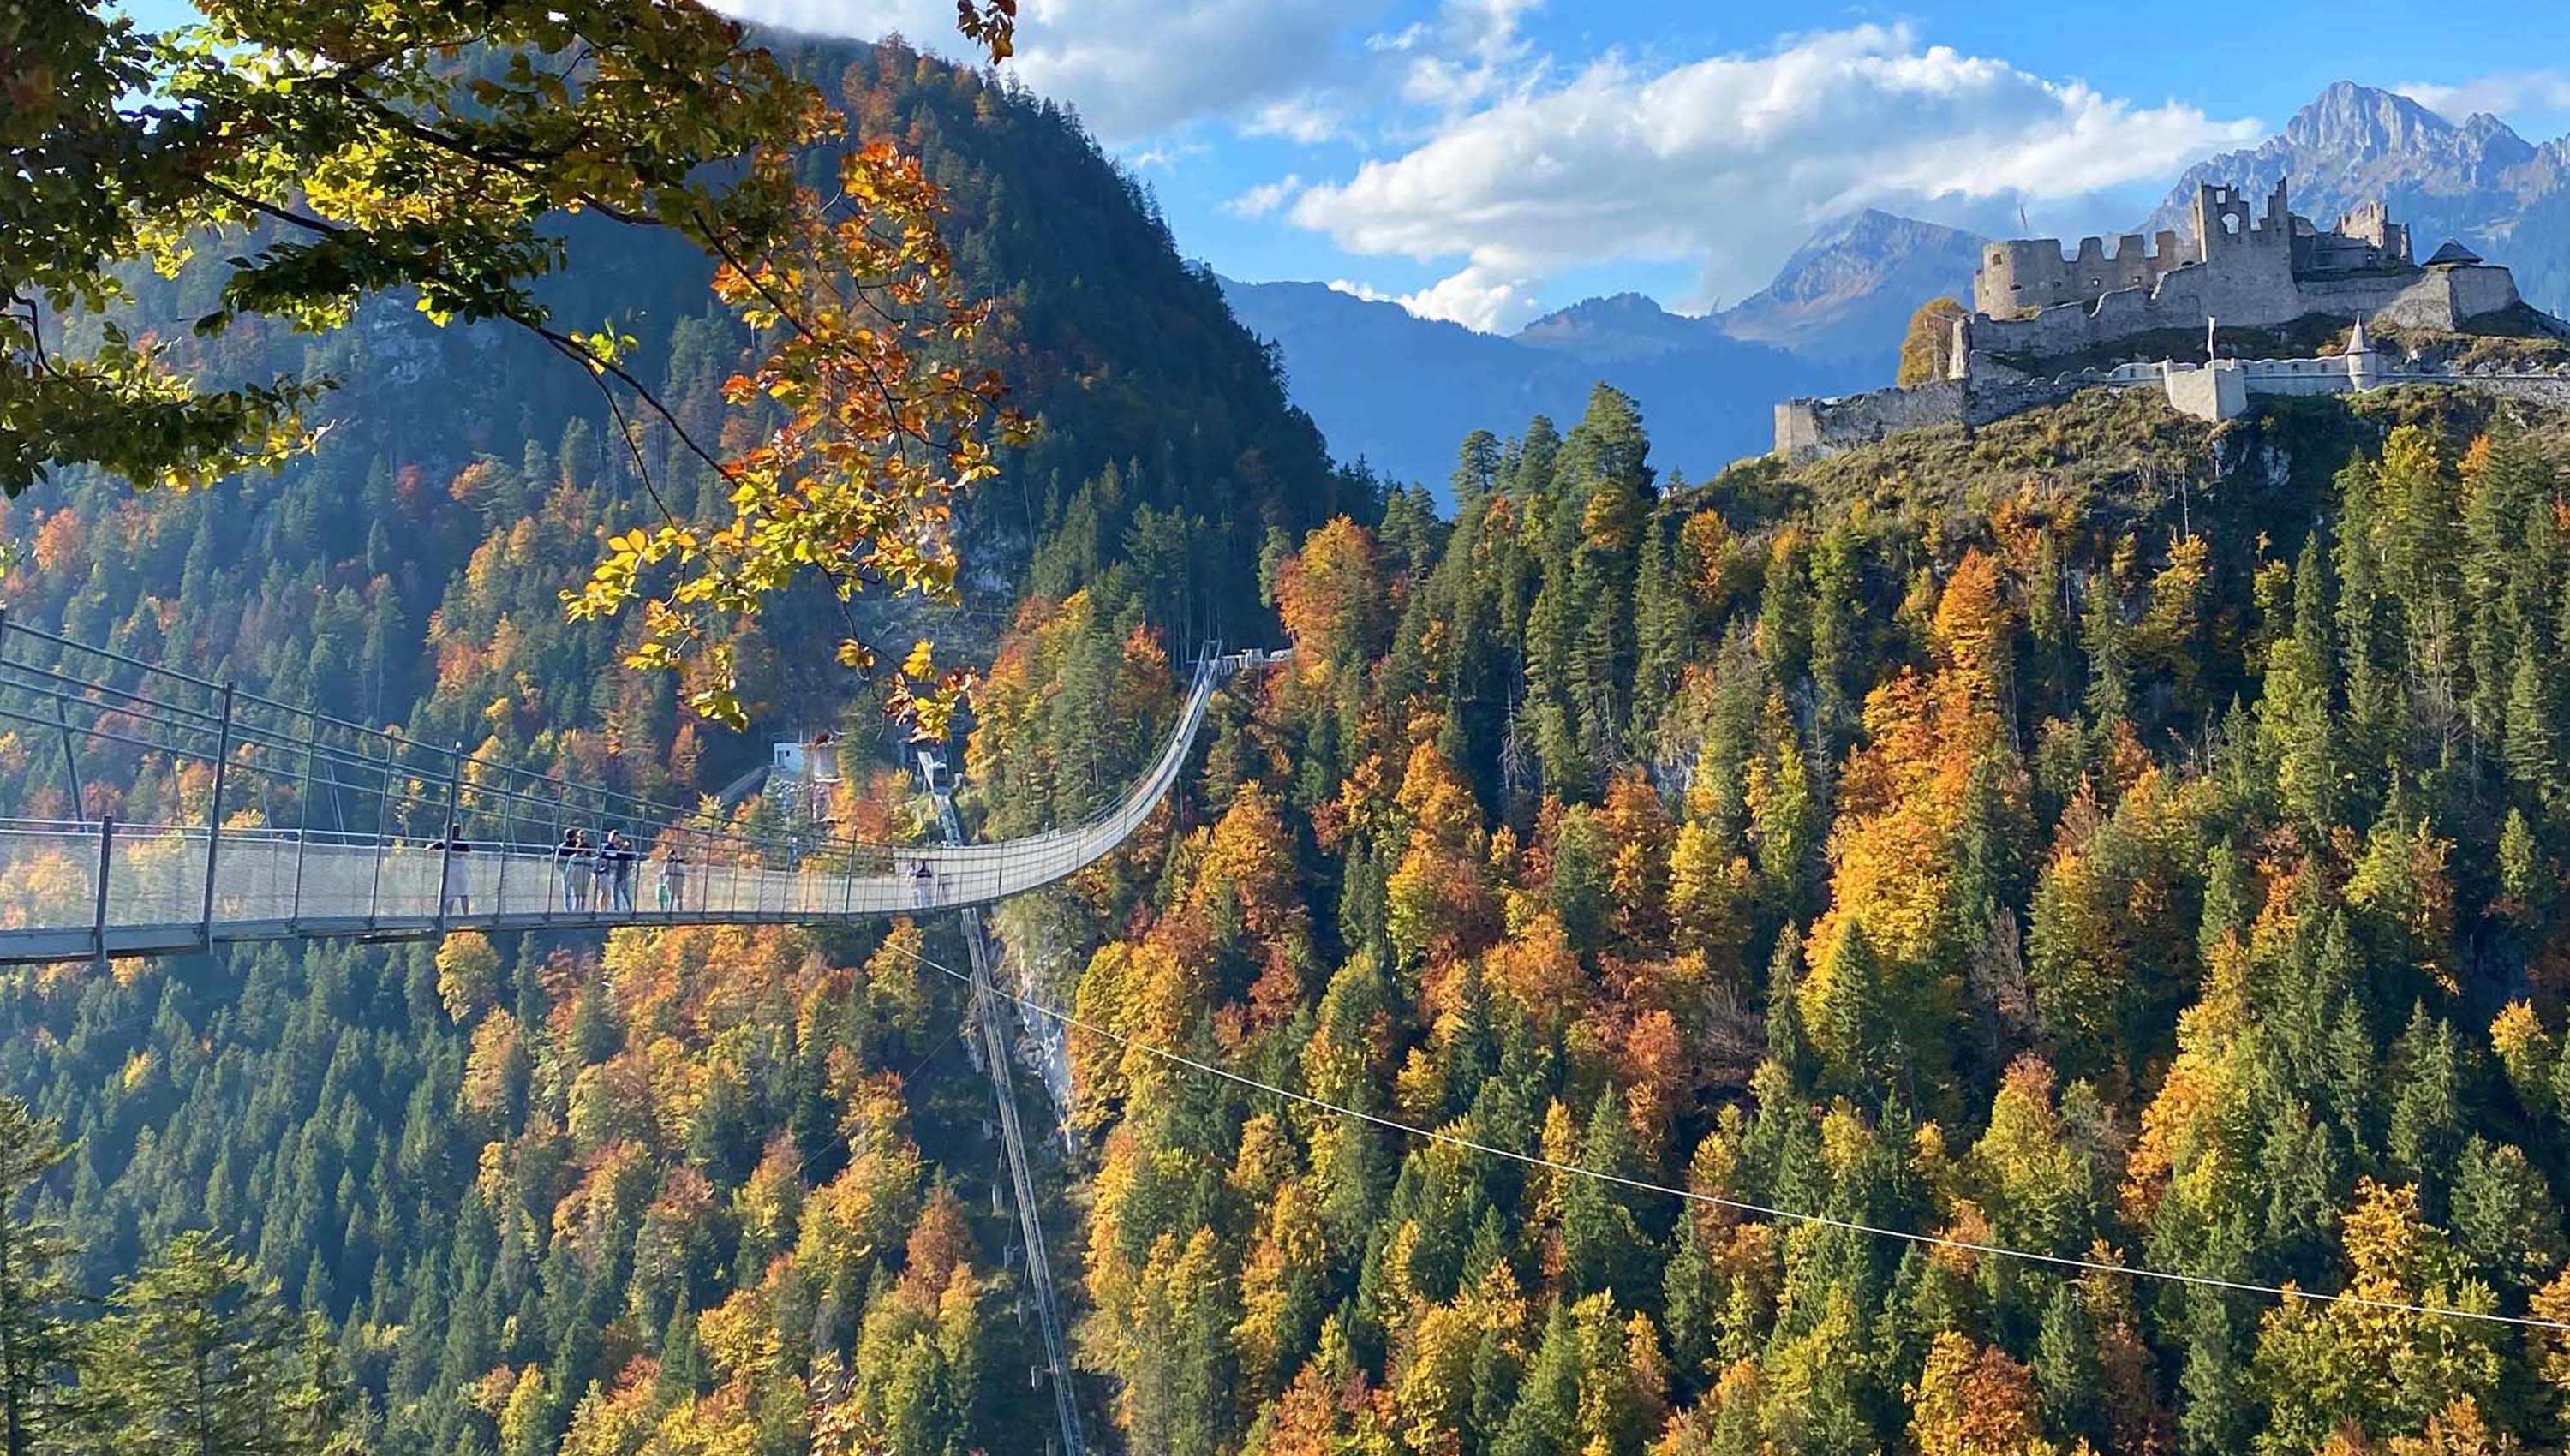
pixel 1828 322
pixel 1402 390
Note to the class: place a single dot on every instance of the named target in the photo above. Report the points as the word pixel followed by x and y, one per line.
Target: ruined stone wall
pixel 2370 224
pixel 1808 428
pixel 2449 298
pixel 2033 274
pixel 2245 269
pixel 2255 297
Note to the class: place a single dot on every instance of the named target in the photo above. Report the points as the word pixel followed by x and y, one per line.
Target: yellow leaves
pixel 1973 623
pixel 866 437
pixel 468 975
pixel 921 661
pixel 1974 1402
pixel 601 351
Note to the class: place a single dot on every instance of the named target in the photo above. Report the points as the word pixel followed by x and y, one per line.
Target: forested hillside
pixel 387 1134
pixel 2096 840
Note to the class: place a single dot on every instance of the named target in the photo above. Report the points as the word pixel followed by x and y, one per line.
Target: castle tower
pixel 2364 365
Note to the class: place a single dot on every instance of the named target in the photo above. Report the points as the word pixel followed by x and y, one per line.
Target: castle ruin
pixel 2257 260
pixel 2044 323
pixel 2032 304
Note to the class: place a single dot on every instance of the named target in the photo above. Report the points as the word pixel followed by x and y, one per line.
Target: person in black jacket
pixel 568 856
pixel 619 862
pixel 457 884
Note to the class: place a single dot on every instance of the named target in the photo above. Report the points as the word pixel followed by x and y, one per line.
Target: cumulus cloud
pixel 2501 93
pixel 1133 68
pixel 1470 297
pixel 1477 298
pixel 1265 197
pixel 1733 161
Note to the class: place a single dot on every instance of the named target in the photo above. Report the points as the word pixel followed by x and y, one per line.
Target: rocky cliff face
pixel 2476 180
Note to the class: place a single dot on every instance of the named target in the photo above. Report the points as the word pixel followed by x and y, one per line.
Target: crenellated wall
pixel 2446 298
pixel 2032 274
pixel 2247 266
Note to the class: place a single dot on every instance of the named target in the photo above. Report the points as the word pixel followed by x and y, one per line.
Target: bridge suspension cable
pixel 303 825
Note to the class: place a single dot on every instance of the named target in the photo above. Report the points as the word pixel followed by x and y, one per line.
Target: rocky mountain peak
pixel 2352 121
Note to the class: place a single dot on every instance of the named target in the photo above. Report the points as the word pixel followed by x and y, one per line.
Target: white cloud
pixel 1471 298
pixel 1165 157
pixel 1265 197
pixel 1731 160
pixel 1476 50
pixel 2501 93
pixel 1133 68
pixel 1477 298
pixel 1407 38
pixel 1311 117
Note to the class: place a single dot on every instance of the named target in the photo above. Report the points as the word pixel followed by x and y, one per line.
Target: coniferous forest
pixel 1904 953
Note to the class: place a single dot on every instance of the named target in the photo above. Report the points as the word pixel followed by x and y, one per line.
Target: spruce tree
pixel 37 1340
pixel 2066 1369
pixel 193 1357
pixel 2215 1401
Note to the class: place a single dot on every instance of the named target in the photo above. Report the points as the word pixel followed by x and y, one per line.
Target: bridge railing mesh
pixel 332 826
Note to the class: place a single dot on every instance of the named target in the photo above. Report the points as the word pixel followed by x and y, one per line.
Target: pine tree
pixel 1601 1247
pixel 2104 636
pixel 1545 1417
pixel 2215 1404
pixel 1853 1017
pixel 193 1355
pixel 1788 1045
pixel 2067 1370
pixel 2426 1107
pixel 1476 467
pixel 2530 744
pixel 1662 632
pixel 37 1340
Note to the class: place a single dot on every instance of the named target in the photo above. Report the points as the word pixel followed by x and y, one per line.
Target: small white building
pixel 801 772
pixel 816 759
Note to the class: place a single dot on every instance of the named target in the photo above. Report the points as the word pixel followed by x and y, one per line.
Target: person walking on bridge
pixel 674 877
pixel 567 861
pixel 458 877
pixel 618 860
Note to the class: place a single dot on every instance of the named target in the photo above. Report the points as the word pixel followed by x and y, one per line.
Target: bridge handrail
pixel 104 887
pixel 487 786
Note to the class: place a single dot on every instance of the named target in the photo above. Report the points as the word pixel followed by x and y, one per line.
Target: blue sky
pixel 1483 160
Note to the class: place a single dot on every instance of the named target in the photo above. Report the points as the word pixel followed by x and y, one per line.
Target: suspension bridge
pixel 302 826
